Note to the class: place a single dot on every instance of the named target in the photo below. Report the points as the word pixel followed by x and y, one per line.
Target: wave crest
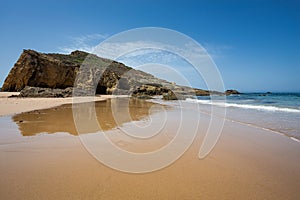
pixel 245 106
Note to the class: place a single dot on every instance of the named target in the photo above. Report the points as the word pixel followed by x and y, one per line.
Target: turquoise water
pixel 279 112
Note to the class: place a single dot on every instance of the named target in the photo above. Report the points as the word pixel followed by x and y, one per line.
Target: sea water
pixel 278 112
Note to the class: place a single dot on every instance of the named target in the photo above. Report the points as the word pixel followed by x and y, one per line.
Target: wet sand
pixel 60 118
pixel 246 163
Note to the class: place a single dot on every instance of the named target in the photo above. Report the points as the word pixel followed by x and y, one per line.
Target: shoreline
pixel 10 106
pixel 247 124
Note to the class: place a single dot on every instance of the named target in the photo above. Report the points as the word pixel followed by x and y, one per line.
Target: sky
pixel 254 44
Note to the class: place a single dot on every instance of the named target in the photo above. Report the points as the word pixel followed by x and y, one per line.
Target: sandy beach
pixel 10 106
pixel 246 163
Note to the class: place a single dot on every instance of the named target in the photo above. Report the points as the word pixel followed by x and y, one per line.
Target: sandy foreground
pixel 246 163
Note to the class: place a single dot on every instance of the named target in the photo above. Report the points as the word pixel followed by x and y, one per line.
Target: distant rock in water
pixel 230 92
pixel 54 75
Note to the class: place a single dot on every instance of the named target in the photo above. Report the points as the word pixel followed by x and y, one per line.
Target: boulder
pixel 199 92
pixel 150 89
pixel 45 92
pixel 173 96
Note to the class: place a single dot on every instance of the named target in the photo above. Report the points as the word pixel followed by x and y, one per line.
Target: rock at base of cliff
pixel 45 92
pixel 173 96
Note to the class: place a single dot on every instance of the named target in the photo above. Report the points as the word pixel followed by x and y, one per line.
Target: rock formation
pixel 58 71
pixel 45 92
pixel 230 92
pixel 54 75
pixel 43 70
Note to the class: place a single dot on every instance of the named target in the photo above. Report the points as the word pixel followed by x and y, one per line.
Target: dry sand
pixel 10 106
pixel 246 163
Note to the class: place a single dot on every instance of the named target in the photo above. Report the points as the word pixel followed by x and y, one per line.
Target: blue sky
pixel 255 44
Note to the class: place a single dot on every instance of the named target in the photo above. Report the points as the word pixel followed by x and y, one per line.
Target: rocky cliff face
pixel 43 70
pixel 58 71
pixel 40 74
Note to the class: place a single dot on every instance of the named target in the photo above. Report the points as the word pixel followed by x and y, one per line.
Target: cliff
pixel 50 75
pixel 43 70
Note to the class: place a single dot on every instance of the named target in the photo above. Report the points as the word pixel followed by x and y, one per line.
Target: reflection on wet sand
pixel 60 119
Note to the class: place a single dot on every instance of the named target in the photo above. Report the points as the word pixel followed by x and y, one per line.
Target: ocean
pixel 277 112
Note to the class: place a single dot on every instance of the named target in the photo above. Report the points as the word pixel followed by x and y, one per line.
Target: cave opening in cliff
pixel 101 89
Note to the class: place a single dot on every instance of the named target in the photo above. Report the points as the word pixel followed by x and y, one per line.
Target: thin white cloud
pixel 94 36
pixel 88 43
pixel 217 51
pixel 85 43
pixel 130 50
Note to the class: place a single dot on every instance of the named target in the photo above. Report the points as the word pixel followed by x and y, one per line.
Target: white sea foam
pixel 244 106
pixel 295 139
